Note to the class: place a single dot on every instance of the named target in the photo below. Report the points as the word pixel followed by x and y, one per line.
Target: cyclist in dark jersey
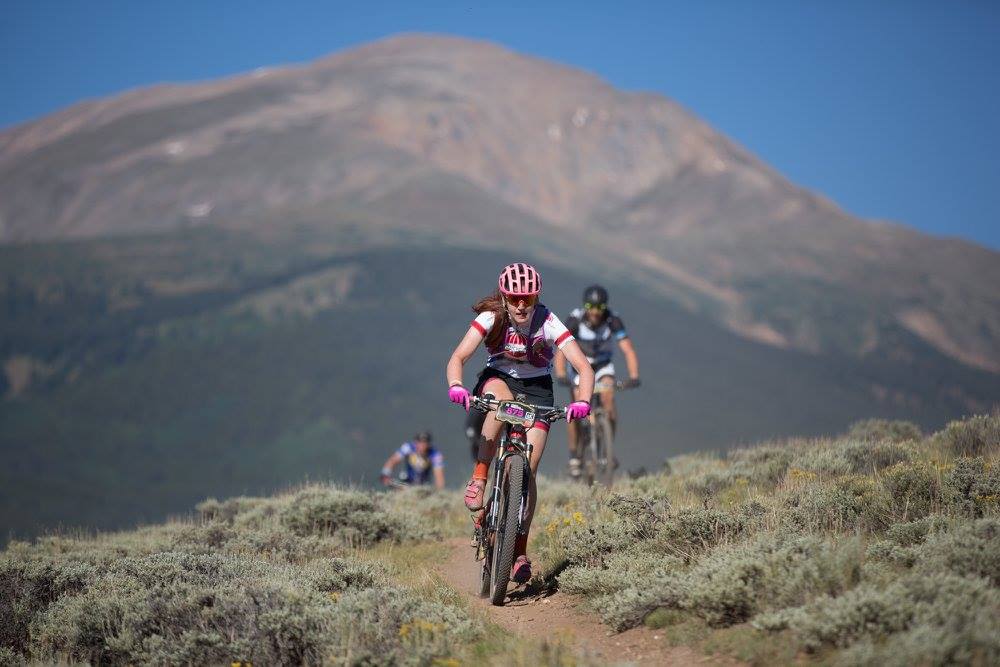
pixel 420 461
pixel 596 328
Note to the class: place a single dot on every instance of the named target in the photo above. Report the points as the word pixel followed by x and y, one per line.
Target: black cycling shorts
pixel 537 390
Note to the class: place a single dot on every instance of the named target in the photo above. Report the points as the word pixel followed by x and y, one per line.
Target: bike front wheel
pixel 508 520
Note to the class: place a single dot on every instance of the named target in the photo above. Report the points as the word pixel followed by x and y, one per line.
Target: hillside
pixel 879 547
pixel 157 370
pixel 232 286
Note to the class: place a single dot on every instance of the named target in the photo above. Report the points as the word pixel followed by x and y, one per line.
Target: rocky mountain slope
pixel 651 190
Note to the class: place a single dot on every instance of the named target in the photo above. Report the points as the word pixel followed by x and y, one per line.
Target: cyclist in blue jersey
pixel 596 329
pixel 420 462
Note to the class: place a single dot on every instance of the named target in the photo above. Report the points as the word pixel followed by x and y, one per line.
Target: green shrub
pixel 875 430
pixel 618 572
pixel 764 465
pixel 28 585
pixel 589 545
pixel 914 532
pixel 182 608
pixel 914 489
pixel 907 612
pixel 856 456
pixel 711 483
pixel 966 549
pixel 761 466
pixel 972 487
pixel 627 607
pixel 849 504
pixel 869 457
pixel 388 626
pixel 10 658
pixel 352 516
pixel 733 584
pixel 825 461
pixel 227 510
pixel 972 644
pixel 701 528
pixel 841 621
pixel 975 436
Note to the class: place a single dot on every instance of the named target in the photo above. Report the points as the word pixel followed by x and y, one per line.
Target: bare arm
pixel 560 363
pixel 439 478
pixel 582 367
pixel 391 463
pixel 466 348
pixel 631 360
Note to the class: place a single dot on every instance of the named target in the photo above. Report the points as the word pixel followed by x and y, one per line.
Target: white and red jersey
pixel 512 358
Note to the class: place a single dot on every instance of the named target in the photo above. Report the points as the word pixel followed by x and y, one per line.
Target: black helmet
pixel 595 295
pixel 423 435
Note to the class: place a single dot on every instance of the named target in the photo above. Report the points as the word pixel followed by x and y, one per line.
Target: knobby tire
pixel 505 539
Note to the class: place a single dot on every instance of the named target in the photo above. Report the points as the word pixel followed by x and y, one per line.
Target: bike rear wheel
pixel 505 539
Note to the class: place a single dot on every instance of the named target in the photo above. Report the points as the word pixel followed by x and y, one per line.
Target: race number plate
pixel 515 413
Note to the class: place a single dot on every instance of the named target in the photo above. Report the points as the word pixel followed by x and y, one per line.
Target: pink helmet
pixel 520 279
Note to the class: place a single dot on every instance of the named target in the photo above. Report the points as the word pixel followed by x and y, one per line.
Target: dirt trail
pixel 552 615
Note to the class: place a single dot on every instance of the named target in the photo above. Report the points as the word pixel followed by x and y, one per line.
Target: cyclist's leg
pixel 607 383
pixel 572 428
pixel 573 434
pixel 475 490
pixel 491 427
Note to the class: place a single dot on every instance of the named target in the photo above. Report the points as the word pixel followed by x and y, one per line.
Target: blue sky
pixel 890 108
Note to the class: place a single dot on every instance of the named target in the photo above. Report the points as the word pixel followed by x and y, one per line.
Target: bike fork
pixel 498 475
pixel 522 526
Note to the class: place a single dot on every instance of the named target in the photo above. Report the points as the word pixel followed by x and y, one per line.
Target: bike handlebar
pixel 619 385
pixel 548 413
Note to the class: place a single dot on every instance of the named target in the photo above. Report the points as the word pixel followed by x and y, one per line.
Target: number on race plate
pixel 515 413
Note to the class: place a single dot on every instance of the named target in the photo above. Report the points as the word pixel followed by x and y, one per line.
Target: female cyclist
pixel 521 337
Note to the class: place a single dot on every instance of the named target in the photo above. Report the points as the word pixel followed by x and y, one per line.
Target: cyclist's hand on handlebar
pixel 632 383
pixel 577 410
pixel 563 380
pixel 460 395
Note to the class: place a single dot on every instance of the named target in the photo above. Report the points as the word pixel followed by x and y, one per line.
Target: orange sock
pixel 482 471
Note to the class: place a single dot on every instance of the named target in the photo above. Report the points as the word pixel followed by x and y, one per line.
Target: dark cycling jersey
pixel 596 342
pixel 417 468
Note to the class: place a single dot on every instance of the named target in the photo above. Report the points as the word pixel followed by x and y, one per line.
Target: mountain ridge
pixel 630 171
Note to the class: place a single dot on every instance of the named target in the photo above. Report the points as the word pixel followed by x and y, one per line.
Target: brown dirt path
pixel 554 616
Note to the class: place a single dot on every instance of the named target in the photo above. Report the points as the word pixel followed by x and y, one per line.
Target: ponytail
pixel 497 333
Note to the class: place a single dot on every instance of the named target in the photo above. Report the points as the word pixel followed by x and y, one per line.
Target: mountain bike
pixel 496 533
pixel 597 455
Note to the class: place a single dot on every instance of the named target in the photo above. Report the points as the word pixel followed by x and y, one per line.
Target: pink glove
pixel 577 410
pixel 459 394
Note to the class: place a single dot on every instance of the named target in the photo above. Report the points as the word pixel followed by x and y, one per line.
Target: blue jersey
pixel 417 469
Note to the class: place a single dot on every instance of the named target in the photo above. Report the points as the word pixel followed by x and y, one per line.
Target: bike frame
pixel 513 443
pixel 508 447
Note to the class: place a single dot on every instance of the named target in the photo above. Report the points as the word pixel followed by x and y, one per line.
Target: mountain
pixel 224 287
pixel 385 127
